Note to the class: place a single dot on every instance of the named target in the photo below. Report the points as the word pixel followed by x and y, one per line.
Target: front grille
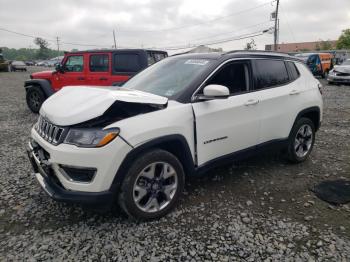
pixel 341 74
pixel 50 132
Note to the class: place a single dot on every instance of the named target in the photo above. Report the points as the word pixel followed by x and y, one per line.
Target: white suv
pixel 136 144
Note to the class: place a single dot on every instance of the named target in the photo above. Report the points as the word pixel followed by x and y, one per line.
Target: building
pixel 303 46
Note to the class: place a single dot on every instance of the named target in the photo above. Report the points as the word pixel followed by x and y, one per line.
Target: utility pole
pixel 58 45
pixel 275 42
pixel 115 43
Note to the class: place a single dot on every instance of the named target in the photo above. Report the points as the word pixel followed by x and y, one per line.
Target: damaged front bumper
pixel 52 186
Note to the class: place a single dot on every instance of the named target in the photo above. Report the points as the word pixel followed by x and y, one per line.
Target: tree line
pixel 43 52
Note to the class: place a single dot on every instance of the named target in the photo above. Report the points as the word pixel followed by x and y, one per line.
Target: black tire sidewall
pixel 126 195
pixel 291 152
pixel 40 94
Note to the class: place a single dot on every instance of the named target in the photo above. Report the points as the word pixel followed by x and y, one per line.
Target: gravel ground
pixel 260 209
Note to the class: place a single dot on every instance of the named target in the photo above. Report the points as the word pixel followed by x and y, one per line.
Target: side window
pixel 126 63
pixel 293 70
pixel 270 73
pixel 99 63
pixel 74 64
pixel 234 76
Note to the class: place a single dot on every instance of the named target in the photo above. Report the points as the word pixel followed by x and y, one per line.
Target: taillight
pixel 320 88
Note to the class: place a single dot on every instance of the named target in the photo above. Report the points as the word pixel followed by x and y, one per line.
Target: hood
pixel 41 75
pixel 76 104
pixel 342 68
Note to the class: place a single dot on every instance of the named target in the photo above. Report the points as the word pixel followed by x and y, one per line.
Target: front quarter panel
pixel 176 119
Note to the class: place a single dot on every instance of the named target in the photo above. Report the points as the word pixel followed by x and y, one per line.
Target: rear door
pixel 125 65
pixel 99 71
pixel 276 93
pixel 227 125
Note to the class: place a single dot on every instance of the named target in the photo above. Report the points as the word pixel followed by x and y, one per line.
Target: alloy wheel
pixel 155 187
pixel 303 141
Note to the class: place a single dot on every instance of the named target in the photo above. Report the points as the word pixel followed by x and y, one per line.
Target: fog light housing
pixel 78 174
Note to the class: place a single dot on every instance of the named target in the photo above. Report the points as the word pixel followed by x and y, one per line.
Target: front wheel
pixel 301 140
pixel 35 98
pixel 152 185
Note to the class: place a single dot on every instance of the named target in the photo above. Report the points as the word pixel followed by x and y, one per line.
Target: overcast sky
pixel 168 23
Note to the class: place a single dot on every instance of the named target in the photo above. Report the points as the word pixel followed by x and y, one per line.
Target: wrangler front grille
pixel 50 132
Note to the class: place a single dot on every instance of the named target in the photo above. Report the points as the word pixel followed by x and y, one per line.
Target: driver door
pixel 74 71
pixel 230 124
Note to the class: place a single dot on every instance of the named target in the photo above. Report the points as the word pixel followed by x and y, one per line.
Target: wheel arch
pixel 175 144
pixel 313 113
pixel 44 85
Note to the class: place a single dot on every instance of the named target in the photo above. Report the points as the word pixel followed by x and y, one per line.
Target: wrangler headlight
pixel 90 137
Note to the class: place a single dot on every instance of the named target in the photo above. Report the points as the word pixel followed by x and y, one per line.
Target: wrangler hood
pixel 76 104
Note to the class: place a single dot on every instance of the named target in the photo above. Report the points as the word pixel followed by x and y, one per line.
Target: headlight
pixel 331 72
pixel 90 137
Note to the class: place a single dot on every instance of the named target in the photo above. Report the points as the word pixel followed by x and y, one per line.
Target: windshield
pixel 169 76
pixel 346 62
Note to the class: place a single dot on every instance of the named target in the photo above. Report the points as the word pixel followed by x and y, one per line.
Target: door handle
pixel 251 102
pixel 103 78
pixel 294 92
pixel 81 78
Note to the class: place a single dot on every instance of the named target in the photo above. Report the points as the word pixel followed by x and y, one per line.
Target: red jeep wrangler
pixel 96 67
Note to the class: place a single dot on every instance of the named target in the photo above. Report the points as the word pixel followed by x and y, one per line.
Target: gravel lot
pixel 257 210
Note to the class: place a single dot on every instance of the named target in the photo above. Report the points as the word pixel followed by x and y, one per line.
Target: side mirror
pixel 214 92
pixel 59 68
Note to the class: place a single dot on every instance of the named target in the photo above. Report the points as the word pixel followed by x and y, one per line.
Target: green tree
pixel 250 45
pixel 344 40
pixel 43 52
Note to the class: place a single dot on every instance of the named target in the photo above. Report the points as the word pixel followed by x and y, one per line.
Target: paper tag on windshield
pixel 196 62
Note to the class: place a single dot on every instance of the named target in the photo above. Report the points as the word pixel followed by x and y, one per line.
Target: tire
pixel 143 192
pixel 35 98
pixel 301 140
pixel 330 83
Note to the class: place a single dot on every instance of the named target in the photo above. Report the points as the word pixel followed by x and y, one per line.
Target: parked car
pixel 340 73
pixel 29 63
pixel 18 66
pixel 319 63
pixel 187 113
pixel 94 67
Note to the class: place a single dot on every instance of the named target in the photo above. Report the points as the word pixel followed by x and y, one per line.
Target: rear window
pixel 270 73
pixel 127 63
pixel 293 70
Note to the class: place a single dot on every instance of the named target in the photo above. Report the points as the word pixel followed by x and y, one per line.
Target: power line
pixel 203 23
pixel 258 33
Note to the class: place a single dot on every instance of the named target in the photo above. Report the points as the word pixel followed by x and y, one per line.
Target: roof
pixel 115 50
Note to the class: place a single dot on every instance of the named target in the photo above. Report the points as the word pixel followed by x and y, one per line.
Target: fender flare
pixel 44 84
pixel 305 111
pixel 186 157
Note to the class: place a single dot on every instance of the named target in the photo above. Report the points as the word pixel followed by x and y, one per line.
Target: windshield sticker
pixel 196 62
pixel 169 93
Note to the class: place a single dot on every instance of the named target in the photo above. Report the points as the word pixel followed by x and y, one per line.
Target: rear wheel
pixel 35 98
pixel 152 185
pixel 301 140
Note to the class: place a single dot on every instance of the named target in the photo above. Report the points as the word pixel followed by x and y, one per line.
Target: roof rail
pixel 256 51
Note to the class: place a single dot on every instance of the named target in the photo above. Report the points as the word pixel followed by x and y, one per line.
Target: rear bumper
pixel 52 186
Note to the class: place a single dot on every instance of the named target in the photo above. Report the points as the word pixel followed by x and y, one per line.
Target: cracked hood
pixel 76 104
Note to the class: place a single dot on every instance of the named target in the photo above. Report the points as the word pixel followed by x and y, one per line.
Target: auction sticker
pixel 196 62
